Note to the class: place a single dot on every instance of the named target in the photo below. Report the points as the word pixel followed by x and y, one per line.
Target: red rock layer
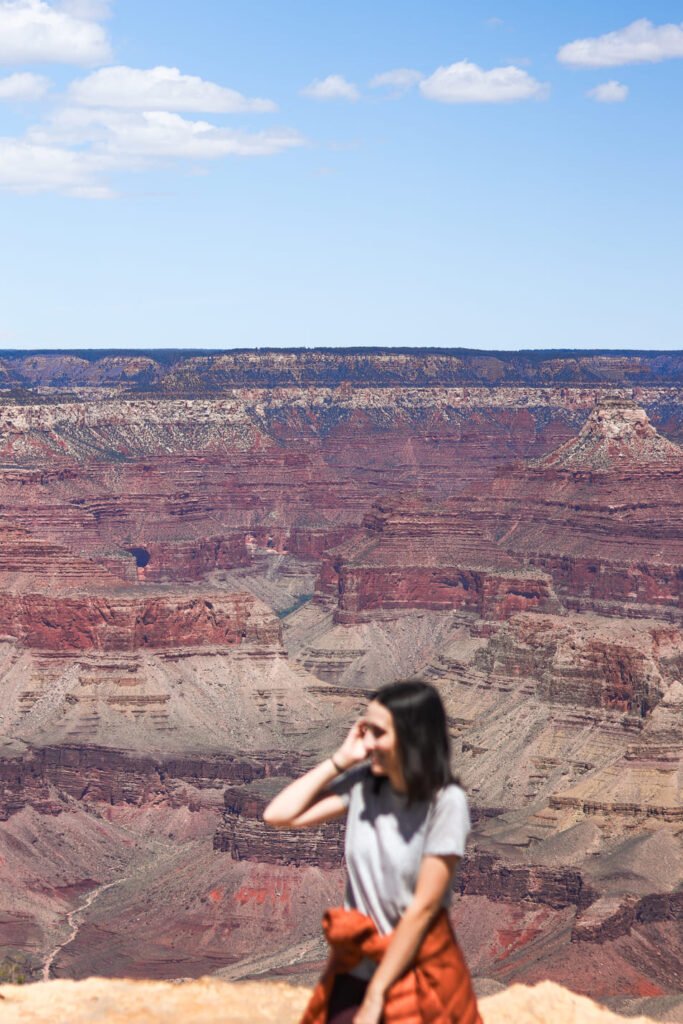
pixel 131 622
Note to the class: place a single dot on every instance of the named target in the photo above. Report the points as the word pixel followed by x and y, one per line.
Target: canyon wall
pixel 209 561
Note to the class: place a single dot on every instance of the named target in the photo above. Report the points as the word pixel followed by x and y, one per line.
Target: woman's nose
pixel 369 741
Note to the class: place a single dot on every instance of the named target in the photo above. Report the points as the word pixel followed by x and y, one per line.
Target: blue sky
pixel 309 172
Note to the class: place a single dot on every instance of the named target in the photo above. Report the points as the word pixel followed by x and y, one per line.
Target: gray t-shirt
pixel 386 839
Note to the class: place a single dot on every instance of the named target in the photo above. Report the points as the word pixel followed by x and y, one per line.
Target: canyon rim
pixel 207 562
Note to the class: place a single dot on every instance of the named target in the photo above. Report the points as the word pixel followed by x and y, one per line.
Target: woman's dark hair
pixel 422 734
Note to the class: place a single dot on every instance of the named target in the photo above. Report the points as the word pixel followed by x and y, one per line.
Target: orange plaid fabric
pixel 437 989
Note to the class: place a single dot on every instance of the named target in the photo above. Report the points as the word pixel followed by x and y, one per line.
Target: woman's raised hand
pixel 352 750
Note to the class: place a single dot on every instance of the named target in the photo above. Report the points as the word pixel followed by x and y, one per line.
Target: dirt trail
pixel 74 924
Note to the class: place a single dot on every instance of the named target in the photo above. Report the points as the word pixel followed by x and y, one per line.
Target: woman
pixel 407 822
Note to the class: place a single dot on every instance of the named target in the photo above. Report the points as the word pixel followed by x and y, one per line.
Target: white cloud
pixel 27 167
pixel 128 137
pixel 609 92
pixel 465 82
pixel 77 147
pixel 640 42
pixel 334 87
pixel 32 30
pixel 400 79
pixel 163 134
pixel 161 88
pixel 23 86
pixel 118 119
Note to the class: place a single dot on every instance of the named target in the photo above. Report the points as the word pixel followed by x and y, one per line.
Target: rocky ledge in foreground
pixel 208 1001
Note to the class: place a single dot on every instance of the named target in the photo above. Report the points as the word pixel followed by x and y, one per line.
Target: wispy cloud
pixel 32 31
pixel 334 87
pixel 29 167
pixel 161 88
pixel 608 92
pixel 23 86
pixel 465 82
pixel 125 136
pixel 399 80
pixel 640 42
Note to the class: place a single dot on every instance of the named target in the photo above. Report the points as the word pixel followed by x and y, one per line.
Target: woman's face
pixel 381 743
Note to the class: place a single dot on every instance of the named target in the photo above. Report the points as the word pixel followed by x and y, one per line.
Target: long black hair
pixel 422 735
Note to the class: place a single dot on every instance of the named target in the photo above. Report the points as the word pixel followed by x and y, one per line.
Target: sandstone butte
pixel 207 562
pixel 206 1001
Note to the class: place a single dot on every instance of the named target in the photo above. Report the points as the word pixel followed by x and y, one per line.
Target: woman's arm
pixel 302 803
pixel 433 881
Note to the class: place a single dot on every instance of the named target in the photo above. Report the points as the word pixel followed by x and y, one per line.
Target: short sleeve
pixel 449 823
pixel 344 784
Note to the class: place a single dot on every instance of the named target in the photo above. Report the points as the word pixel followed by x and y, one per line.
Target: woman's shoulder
pixel 449 822
pixel 451 797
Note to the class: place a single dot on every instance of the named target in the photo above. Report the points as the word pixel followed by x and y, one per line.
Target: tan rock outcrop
pixel 616 430
pixel 207 1001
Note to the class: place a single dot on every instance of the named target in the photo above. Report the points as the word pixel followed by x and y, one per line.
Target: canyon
pixel 207 564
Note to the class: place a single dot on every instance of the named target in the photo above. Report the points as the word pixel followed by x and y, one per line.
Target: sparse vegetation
pixel 14 970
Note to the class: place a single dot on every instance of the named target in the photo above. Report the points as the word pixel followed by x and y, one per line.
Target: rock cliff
pixel 595 525
pixel 243 835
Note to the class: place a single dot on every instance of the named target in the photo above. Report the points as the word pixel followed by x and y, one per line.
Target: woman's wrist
pixel 375 993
